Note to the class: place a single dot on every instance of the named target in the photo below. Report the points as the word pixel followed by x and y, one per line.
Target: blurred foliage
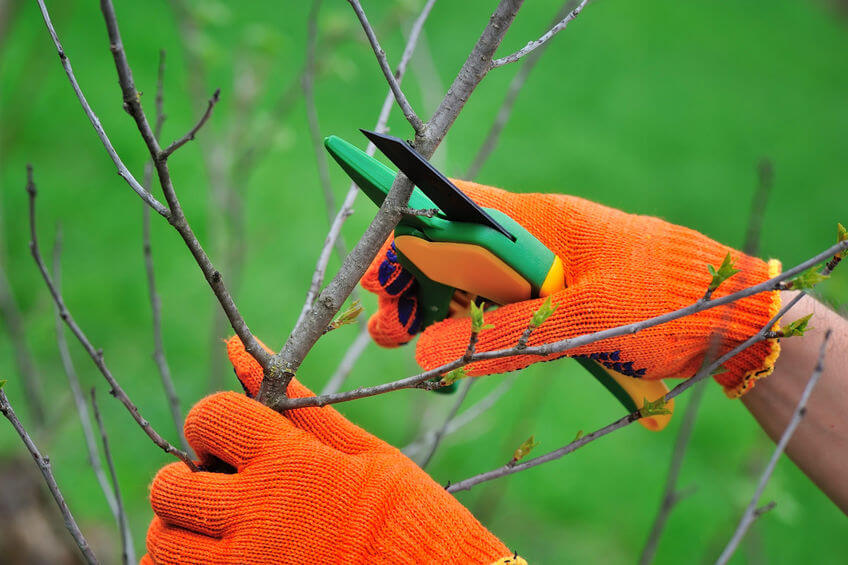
pixel 660 108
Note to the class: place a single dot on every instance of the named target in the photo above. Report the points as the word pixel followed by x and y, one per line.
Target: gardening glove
pixel 619 268
pixel 305 487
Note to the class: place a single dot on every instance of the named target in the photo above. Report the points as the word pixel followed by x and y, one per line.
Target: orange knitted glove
pixel 307 487
pixel 619 268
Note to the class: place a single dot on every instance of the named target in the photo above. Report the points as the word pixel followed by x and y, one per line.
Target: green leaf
pixel 807 280
pixel 454 376
pixel 543 313
pixel 3 383
pixel 347 316
pixel 720 371
pixel 654 407
pixel 798 327
pixel 578 436
pixel 477 324
pixel 524 449
pixel 842 235
pixel 724 272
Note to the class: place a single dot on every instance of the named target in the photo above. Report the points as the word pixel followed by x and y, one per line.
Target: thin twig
pixel 533 45
pixel 76 390
pixel 346 209
pixel 11 315
pixel 442 430
pixel 579 341
pixel 308 84
pixel 405 107
pixel 671 494
pixel 363 338
pixel 676 391
pixel 43 463
pixel 95 122
pixel 176 217
pixel 705 371
pixel 307 333
pixel 95 354
pixel 128 552
pixel 752 512
pixel 189 136
pixel 504 112
pixel 463 419
pixel 155 302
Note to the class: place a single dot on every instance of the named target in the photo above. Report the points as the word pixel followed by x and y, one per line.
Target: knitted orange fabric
pixel 308 487
pixel 619 268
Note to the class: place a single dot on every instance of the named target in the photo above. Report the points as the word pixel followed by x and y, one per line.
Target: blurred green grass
pixel 659 108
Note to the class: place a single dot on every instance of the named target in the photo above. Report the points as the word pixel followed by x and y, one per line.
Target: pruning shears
pixel 465 252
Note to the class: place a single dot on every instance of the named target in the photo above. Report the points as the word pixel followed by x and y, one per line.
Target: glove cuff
pixel 760 358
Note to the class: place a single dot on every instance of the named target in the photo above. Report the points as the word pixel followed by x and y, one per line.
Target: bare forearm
pixel 819 446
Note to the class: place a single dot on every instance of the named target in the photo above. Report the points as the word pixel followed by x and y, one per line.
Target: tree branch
pixel 752 512
pixel 504 112
pixel 671 494
pixel 304 336
pixel 533 45
pixel 405 107
pixel 176 217
pixel 43 463
pixel 442 430
pixel 76 390
pixel 155 303
pixel 189 136
pixel 363 338
pixel 128 553
pixel 95 122
pixel 462 420
pixel 347 206
pixel 95 354
pixel 586 339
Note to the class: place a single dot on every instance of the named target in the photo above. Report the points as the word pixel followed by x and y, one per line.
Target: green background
pixel 660 108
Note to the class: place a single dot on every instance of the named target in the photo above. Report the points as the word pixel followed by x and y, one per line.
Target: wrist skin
pixel 819 446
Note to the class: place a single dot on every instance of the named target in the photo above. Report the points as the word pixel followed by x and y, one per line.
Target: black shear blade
pixel 447 196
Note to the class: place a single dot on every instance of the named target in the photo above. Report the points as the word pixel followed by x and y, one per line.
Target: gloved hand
pixel 307 487
pixel 619 268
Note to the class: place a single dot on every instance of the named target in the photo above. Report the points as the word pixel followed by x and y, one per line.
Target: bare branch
pixel 155 303
pixel 347 206
pixel 462 420
pixel 305 334
pixel 193 131
pixel 705 371
pixel 308 84
pixel 405 107
pixel 76 390
pixel 43 463
pixel 752 512
pixel 442 430
pixel 671 494
pixel 363 338
pixel 533 45
pixel 11 315
pixel 504 112
pixel 128 553
pixel 95 122
pixel 579 341
pixel 95 354
pixel 176 217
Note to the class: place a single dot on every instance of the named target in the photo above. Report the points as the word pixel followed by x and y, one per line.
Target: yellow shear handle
pixel 639 390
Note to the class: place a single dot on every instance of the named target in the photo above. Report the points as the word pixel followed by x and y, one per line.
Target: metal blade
pixel 451 200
